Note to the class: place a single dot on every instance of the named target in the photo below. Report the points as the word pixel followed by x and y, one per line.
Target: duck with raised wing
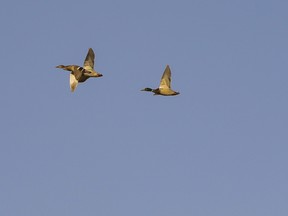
pixel 81 74
pixel 164 87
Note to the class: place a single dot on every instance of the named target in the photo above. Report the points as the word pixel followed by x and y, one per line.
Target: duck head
pixel 147 89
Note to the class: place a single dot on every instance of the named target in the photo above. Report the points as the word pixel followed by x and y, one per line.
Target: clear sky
pixel 219 148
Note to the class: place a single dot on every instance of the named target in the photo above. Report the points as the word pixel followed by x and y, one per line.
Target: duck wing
pixel 166 78
pixel 73 82
pixel 89 60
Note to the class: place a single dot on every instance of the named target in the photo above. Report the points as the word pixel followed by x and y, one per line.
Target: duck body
pixel 81 74
pixel 164 87
pixel 163 92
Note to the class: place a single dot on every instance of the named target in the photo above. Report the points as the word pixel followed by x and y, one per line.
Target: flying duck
pixel 81 74
pixel 164 87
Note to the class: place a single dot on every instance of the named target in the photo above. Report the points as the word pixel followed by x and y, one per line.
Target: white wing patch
pixel 73 82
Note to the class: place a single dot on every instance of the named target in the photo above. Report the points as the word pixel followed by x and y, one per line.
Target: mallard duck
pixel 164 87
pixel 81 74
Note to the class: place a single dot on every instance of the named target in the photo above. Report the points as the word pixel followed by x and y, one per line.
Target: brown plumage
pixel 164 87
pixel 81 74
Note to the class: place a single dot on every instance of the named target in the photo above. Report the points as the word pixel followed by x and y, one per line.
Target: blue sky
pixel 218 148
